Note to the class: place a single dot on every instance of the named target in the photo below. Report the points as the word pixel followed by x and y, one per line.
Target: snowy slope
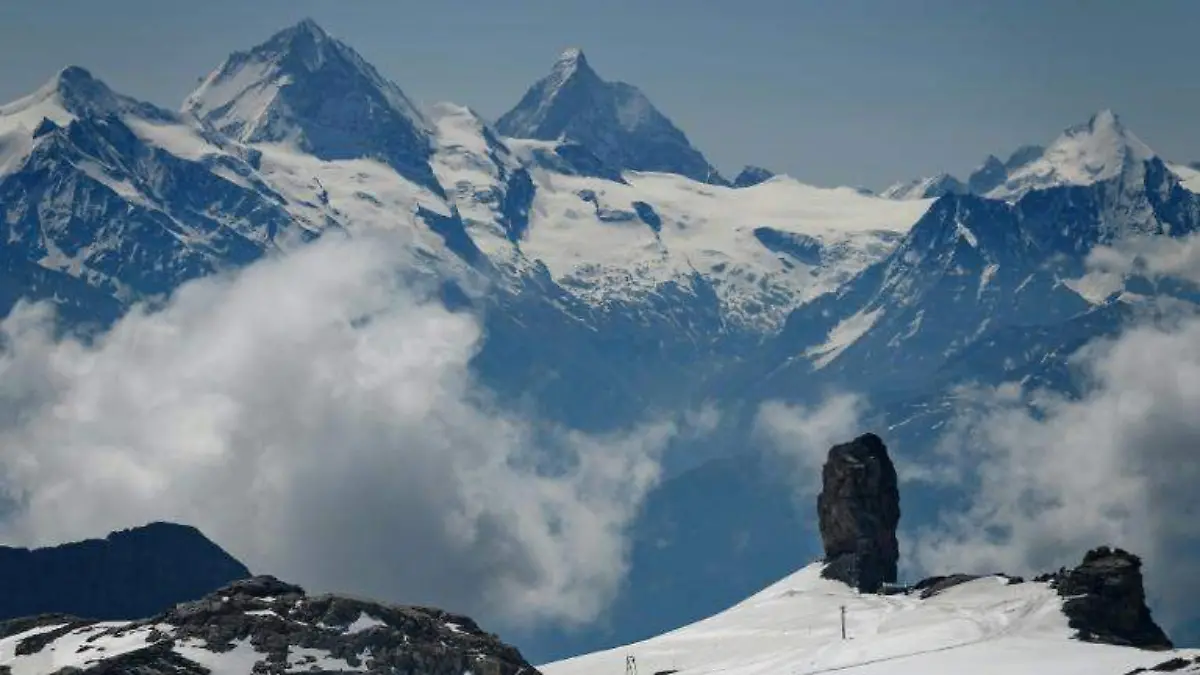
pixel 925 188
pixel 1188 175
pixel 982 627
pixel 765 248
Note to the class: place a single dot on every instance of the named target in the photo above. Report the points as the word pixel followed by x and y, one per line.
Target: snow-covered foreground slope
pixel 982 627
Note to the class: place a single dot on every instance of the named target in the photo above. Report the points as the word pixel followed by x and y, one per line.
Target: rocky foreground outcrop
pixel 263 626
pixel 1105 601
pixel 859 509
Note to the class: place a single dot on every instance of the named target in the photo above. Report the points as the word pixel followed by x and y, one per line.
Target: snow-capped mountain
pixel 988 625
pixel 1095 151
pixel 972 266
pixel 269 156
pixel 313 93
pixel 614 119
pixel 123 196
pixel 925 188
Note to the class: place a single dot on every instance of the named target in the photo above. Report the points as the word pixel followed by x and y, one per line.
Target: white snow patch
pixel 844 334
pixel 985 278
pixel 1189 177
pixel 237 661
pixel 364 622
pixel 304 659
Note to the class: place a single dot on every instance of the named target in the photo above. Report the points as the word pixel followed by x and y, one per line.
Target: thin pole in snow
pixel 843 622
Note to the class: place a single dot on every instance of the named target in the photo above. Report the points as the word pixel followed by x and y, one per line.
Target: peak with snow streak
pixel 614 120
pixel 991 625
pixel 925 188
pixel 306 89
pixel 72 93
pixel 1099 150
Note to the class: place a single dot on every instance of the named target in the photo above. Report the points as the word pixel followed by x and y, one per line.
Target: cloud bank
pixel 1048 477
pixel 317 418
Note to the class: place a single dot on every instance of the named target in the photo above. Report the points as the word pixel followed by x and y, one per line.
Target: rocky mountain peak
pixel 614 120
pixel 570 61
pixel 752 175
pixel 306 89
pixel 859 510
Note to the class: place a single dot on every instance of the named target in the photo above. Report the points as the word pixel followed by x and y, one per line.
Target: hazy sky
pixel 846 92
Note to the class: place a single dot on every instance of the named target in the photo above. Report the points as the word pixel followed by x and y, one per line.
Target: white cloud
pixel 317 418
pixel 803 435
pixel 1153 257
pixel 1049 477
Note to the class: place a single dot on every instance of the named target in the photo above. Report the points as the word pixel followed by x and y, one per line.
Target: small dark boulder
pixel 933 585
pixel 859 510
pixel 1105 601
pixel 751 176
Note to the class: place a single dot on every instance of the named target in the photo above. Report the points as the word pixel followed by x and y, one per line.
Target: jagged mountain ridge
pixel 1083 154
pixel 973 266
pixel 614 119
pixel 260 625
pixel 245 149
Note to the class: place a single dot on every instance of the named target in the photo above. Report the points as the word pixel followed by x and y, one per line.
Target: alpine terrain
pixel 617 276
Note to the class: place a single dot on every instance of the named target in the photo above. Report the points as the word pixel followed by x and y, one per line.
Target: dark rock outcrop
pixel 127 575
pixel 1105 601
pixel 859 509
pixel 751 176
pixel 288 631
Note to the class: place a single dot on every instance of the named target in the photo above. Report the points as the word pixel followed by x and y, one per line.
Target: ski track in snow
pixel 983 627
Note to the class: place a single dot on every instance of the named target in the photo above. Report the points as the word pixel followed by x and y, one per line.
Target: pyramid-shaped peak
pixel 306 30
pixel 1104 139
pixel 311 28
pixel 306 89
pixel 615 121
pixel 572 57
pixel 1105 119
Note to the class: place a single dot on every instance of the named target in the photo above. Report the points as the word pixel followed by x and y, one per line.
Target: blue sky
pixel 849 92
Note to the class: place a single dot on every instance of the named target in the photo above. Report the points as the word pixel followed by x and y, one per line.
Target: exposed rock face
pixel 859 509
pixel 1106 602
pixel 265 626
pixel 127 575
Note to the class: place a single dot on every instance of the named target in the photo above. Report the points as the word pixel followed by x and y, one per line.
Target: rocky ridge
pixel 263 626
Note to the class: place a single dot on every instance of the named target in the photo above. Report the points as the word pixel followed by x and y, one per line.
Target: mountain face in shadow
pixel 128 574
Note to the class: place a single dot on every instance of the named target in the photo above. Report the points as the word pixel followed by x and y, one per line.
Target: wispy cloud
pixel 317 417
pixel 802 435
